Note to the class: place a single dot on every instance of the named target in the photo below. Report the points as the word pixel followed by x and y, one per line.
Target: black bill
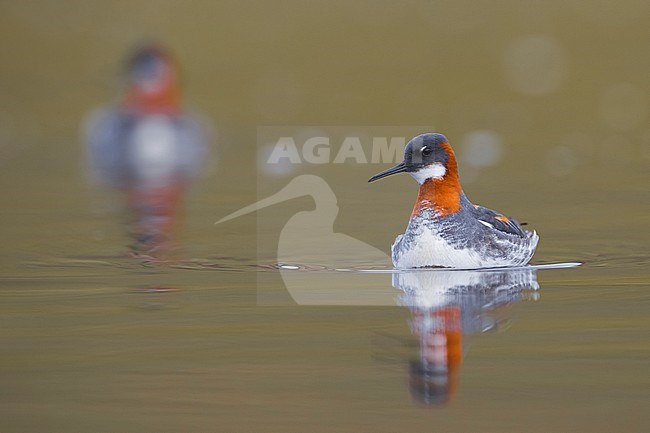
pixel 399 168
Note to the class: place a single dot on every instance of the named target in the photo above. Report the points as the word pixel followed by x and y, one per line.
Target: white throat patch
pixel 433 171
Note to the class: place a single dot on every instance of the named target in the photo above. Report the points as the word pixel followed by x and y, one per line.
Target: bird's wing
pixel 103 135
pixel 497 221
pixel 195 136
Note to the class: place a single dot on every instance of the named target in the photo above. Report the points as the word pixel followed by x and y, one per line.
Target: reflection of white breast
pixel 436 288
pixel 152 151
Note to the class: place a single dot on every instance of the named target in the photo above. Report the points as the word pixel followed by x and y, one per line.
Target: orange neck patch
pixel 167 100
pixel 441 195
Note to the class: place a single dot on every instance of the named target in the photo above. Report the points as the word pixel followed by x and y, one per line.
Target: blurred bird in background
pixel 149 148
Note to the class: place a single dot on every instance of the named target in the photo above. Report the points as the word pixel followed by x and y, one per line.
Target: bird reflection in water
pixel 148 147
pixel 446 306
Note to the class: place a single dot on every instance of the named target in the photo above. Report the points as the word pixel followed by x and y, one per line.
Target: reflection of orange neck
pixel 165 101
pixel 441 195
pixel 451 317
pixel 443 343
pixel 158 214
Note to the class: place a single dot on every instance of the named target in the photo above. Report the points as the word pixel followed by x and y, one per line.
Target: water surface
pixel 218 338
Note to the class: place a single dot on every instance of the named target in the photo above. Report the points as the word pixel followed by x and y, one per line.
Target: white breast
pixel 428 248
pixel 153 150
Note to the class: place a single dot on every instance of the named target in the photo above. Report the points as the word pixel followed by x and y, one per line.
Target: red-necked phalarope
pixel 446 229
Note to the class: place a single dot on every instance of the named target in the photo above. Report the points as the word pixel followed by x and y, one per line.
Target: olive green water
pixel 85 345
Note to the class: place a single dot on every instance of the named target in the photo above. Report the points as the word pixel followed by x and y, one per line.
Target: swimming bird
pixel 148 146
pixel 445 228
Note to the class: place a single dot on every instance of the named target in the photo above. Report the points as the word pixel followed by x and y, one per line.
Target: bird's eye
pixel 426 151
